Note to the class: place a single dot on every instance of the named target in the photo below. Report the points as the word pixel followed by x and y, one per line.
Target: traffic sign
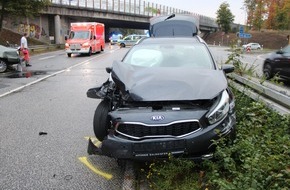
pixel 241 29
pixel 245 35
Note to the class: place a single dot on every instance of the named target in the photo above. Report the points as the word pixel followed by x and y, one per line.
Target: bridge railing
pixel 136 7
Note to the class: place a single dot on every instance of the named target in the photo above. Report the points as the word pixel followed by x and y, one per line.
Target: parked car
pixel 130 40
pixel 114 38
pixel 167 95
pixel 8 57
pixel 278 63
pixel 252 46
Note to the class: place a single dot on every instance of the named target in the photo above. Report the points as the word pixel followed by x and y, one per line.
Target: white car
pixel 252 46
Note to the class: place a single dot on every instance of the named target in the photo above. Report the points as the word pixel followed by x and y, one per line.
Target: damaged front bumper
pixel 196 146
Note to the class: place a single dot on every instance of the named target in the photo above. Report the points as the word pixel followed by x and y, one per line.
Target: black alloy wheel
pixel 267 70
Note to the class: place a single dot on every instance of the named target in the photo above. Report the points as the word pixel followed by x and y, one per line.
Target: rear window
pixel 173 28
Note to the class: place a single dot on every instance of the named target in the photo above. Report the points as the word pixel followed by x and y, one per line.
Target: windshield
pixel 79 35
pixel 165 55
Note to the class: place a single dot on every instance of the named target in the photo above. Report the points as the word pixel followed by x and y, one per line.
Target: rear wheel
pixel 267 70
pixel 69 54
pixel 3 66
pixel 101 120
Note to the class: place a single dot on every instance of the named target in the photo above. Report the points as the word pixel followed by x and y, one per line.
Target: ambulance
pixel 85 38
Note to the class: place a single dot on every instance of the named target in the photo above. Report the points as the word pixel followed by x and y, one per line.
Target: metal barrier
pixel 44 47
pixel 273 96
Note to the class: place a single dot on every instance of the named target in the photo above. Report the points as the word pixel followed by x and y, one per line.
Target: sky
pixel 206 7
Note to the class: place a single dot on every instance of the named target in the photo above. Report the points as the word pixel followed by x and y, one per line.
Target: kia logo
pixel 157 117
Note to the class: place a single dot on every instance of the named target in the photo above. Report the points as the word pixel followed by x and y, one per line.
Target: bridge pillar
pixel 57 31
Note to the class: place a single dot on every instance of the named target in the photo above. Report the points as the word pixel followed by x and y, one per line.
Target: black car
pixel 278 64
pixel 166 96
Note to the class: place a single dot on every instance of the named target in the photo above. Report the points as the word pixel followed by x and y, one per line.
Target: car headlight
pixel 220 109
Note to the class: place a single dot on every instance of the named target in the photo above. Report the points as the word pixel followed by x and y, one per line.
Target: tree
pixel 225 17
pixel 270 14
pixel 259 14
pixel 23 8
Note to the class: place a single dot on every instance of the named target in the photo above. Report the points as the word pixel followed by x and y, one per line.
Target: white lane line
pixel 48 76
pixel 48 57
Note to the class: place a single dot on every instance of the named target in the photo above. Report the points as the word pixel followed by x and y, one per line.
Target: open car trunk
pixel 173 25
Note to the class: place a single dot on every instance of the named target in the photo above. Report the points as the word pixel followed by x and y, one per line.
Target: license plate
pixel 159 146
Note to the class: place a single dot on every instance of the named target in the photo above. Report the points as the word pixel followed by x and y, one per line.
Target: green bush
pixel 258 159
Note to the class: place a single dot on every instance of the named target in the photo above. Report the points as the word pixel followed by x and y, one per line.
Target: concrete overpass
pixel 135 14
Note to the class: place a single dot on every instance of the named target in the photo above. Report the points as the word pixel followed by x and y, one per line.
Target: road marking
pixel 85 161
pixel 48 57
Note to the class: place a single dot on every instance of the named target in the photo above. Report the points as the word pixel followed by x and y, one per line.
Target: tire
pixel 101 120
pixel 102 49
pixel 90 52
pixel 69 54
pixel 3 66
pixel 122 45
pixel 267 70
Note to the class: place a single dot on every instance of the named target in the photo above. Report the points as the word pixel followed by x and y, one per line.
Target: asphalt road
pixel 46 119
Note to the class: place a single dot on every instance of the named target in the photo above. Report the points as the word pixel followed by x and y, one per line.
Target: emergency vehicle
pixel 85 38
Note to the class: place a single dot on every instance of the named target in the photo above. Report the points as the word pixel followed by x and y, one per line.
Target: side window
pixel 128 38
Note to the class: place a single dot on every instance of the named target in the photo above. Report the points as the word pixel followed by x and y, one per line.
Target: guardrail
pixel 37 48
pixel 273 96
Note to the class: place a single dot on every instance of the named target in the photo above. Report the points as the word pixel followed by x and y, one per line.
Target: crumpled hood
pixel 168 83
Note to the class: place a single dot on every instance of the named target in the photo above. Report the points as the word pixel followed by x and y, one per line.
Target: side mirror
pixel 109 69
pixel 228 68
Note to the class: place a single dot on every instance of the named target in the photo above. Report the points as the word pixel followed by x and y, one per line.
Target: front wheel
pixel 90 52
pixel 69 54
pixel 101 120
pixel 3 66
pixel 267 70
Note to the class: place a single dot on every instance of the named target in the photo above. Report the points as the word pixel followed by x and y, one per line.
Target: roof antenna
pixel 169 17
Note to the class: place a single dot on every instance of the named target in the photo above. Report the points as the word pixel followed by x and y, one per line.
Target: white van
pixel 130 40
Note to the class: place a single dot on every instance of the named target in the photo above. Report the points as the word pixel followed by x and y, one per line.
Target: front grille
pixel 75 46
pixel 138 130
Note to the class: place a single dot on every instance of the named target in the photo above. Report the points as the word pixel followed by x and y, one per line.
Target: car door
pixel 285 62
